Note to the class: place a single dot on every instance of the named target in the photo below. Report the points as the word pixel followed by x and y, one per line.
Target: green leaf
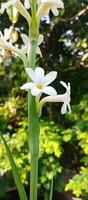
pixel 20 187
pixel 51 190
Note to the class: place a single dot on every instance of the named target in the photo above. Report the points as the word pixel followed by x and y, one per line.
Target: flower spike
pixel 17 3
pixel 40 82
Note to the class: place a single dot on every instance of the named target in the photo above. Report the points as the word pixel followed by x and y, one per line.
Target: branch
pixel 74 17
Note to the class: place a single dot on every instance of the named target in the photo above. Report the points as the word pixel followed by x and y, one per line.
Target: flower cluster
pixel 44 6
pixel 39 81
pixel 40 84
pixel 4 44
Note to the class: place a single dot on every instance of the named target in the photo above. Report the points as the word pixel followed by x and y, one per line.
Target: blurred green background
pixel 63 139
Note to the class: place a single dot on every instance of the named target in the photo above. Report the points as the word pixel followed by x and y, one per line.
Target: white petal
pixel 24 49
pixel 50 77
pixel 31 74
pixel 57 3
pixel 19 6
pixel 64 109
pixel 27 4
pixel 49 90
pixel 69 88
pixel 27 86
pixel 55 11
pixel 64 84
pixel 38 51
pixel 40 39
pixel 39 73
pixel 6 5
pixel 35 91
pixel 7 33
pixel 25 39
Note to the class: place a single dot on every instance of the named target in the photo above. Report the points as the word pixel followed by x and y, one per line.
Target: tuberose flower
pixel 20 7
pixel 53 5
pixel 40 82
pixel 47 5
pixel 65 98
pixel 26 41
pixel 8 46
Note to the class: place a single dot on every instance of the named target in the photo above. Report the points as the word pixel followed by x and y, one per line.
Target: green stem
pixel 33 7
pixel 32 53
pixel 34 147
pixel 33 124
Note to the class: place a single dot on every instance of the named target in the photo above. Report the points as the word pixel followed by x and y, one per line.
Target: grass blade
pixel 51 191
pixel 20 187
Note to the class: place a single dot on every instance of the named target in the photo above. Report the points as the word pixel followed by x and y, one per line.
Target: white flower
pixel 40 40
pixel 65 98
pixel 40 82
pixel 8 33
pixel 21 9
pixel 47 5
pixel 53 5
pixel 26 41
pixel 8 46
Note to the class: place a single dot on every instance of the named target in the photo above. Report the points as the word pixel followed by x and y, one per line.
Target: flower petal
pixel 38 51
pixel 69 88
pixel 50 77
pixel 64 84
pixel 49 90
pixel 40 39
pixel 35 91
pixel 57 3
pixel 55 11
pixel 27 86
pixel 39 74
pixel 17 3
pixel 25 39
pixel 6 5
pixel 26 4
pixel 7 32
pixel 64 108
pixel 31 74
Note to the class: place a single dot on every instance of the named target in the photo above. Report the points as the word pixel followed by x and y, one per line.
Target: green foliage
pixel 15 172
pixel 50 151
pixel 53 140
pixel 51 190
pixel 79 183
pixel 79 133
pixel 19 148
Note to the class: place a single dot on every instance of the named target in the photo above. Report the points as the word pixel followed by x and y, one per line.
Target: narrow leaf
pixel 20 187
pixel 51 190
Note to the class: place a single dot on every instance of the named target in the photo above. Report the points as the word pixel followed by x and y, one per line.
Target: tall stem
pixel 33 124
